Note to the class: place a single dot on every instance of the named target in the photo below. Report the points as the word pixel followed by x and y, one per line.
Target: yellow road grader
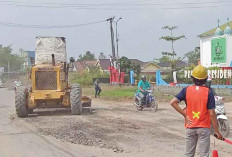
pixel 50 88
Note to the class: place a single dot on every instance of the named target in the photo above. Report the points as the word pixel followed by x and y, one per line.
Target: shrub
pixel 85 78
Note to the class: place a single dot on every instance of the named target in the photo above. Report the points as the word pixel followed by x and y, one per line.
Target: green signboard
pixel 218 50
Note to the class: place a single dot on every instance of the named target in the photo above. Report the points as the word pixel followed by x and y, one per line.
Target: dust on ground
pixel 116 125
pixel 119 127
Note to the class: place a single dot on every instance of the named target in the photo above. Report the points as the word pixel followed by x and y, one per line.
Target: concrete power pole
pixel 117 36
pixel 112 38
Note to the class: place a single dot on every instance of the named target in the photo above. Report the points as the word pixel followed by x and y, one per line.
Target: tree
pixel 127 65
pixel 87 57
pixel 171 39
pixel 193 56
pixel 6 57
pixel 102 56
pixel 163 59
pixel 136 68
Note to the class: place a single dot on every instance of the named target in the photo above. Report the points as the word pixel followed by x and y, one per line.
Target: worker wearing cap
pixel 143 86
pixel 199 113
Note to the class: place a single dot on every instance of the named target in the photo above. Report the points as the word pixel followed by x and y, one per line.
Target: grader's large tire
pixel 29 89
pixel 30 111
pixel 75 99
pixel 21 99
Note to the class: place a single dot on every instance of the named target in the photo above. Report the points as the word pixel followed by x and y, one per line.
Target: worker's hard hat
pixel 199 72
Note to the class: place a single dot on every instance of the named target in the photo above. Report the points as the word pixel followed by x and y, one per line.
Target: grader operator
pixel 49 81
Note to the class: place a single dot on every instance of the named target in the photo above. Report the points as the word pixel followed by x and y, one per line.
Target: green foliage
pixel 119 92
pixel 190 67
pixel 163 59
pixel 15 61
pixel 151 78
pixel 214 68
pixel 170 27
pixel 87 57
pixel 169 54
pixel 171 38
pixel 127 65
pixel 136 68
pixel 86 78
pixel 168 77
pixel 193 57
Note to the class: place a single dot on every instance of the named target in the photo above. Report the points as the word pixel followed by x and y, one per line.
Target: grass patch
pixel 112 92
pixel 116 93
pixel 122 93
pixel 119 92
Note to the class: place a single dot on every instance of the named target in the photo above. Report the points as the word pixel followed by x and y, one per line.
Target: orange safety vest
pixel 196 100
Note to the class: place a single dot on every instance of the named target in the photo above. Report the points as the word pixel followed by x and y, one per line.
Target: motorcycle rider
pixel 200 111
pixel 143 86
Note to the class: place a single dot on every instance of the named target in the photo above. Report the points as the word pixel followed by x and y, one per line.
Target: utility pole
pixel 118 58
pixel 112 38
pixel 117 35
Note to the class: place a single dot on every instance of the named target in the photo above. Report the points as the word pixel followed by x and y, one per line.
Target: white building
pixel 216 47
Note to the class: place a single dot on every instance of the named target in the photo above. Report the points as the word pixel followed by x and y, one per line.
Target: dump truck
pixel 49 86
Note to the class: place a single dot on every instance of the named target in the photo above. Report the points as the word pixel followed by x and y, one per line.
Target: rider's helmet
pixel 199 75
pixel 143 77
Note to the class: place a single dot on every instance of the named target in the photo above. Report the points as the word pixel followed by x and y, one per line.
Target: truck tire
pixel 75 99
pixel 21 99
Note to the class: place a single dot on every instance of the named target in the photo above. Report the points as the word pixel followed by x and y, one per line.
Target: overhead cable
pixel 111 4
pixel 116 6
pixel 47 27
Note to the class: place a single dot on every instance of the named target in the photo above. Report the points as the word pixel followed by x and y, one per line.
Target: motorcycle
pixel 223 124
pixel 148 101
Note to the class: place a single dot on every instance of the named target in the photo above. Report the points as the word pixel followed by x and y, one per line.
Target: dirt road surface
pixel 18 138
pixel 111 129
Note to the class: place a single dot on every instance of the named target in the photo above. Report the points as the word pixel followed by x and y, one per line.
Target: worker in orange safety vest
pixel 199 113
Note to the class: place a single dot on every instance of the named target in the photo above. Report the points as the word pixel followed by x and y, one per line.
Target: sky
pixel 139 29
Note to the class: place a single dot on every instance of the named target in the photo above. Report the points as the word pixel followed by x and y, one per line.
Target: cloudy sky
pixel 139 29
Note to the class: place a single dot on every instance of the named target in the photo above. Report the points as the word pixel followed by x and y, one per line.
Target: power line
pixel 113 4
pixel 86 4
pixel 99 6
pixel 138 9
pixel 47 27
pixel 60 5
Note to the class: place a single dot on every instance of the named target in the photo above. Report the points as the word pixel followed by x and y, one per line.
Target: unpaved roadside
pixel 18 138
pixel 111 129
pixel 119 127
